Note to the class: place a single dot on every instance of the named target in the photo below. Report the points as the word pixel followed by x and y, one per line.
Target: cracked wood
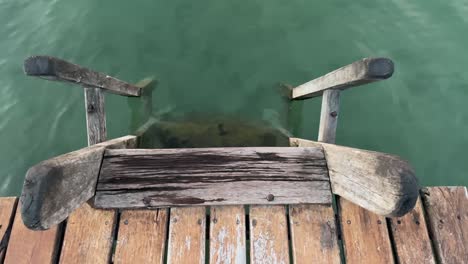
pixel 212 176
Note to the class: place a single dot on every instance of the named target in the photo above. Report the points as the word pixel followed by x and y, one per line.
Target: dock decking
pixel 436 231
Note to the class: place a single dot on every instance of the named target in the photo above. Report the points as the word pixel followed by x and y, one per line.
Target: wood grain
pixel 382 183
pixel 7 214
pixel 56 69
pixel 357 73
pixel 227 235
pixel 28 246
pixel 411 239
pixel 268 235
pixel 95 115
pixel 447 215
pixel 54 188
pixel 365 236
pixel 89 236
pixel 329 116
pixel 212 176
pixel 313 234
pixel 187 235
pixel 141 236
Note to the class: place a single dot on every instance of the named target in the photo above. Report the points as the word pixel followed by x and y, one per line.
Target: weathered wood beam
pixel 95 116
pixel 55 187
pixel 379 182
pixel 357 73
pixel 329 116
pixel 155 178
pixel 56 69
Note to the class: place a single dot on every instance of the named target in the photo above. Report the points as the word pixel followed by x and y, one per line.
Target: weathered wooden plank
pixel 28 246
pixel 357 73
pixel 313 234
pixel 88 236
pixel 147 85
pixel 447 215
pixel 7 213
pixel 95 115
pixel 268 235
pixel 382 183
pixel 54 188
pixel 329 116
pixel 411 239
pixel 227 235
pixel 141 236
pixel 212 176
pixel 56 69
pixel 187 229
pixel 365 236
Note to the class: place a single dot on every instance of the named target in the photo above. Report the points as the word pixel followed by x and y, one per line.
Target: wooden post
pixel 95 115
pixel 329 116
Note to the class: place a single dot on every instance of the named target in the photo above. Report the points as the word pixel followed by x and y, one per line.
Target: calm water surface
pixel 223 56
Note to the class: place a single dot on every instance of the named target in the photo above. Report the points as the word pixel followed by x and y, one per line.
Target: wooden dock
pixel 326 224
pixel 436 231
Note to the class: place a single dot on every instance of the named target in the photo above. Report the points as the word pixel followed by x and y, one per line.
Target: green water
pixel 223 56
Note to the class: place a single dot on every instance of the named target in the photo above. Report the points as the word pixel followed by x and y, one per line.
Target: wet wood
pixel 28 246
pixel 187 229
pixel 54 188
pixel 268 235
pixel 447 215
pixel 379 182
pixel 313 234
pixel 227 235
pixel 7 213
pixel 56 69
pixel 142 178
pixel 411 239
pixel 95 115
pixel 147 85
pixel 365 236
pixel 357 73
pixel 88 236
pixel 329 116
pixel 141 236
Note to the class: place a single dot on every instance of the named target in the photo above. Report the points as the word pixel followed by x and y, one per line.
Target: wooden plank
pixel 382 183
pixel 7 212
pixel 411 239
pixel 365 236
pixel 28 246
pixel 56 69
pixel 268 235
pixel 186 242
pixel 142 178
pixel 357 73
pixel 329 116
pixel 147 85
pixel 227 235
pixel 141 236
pixel 95 115
pixel 313 234
pixel 54 188
pixel 447 215
pixel 89 236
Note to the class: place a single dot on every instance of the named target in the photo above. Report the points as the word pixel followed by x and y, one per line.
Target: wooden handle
pixel 382 183
pixel 357 73
pixel 55 187
pixel 56 69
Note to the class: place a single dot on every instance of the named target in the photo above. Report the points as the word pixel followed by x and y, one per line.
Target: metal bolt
pixel 348 222
pixel 215 220
pixel 379 222
pixel 398 222
pixel 417 222
pixel 199 221
pixel 126 222
pixel 270 197
pixel 90 108
pixel 254 222
pixel 334 114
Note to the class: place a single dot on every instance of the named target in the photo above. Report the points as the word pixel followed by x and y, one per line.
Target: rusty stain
pixel 334 114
